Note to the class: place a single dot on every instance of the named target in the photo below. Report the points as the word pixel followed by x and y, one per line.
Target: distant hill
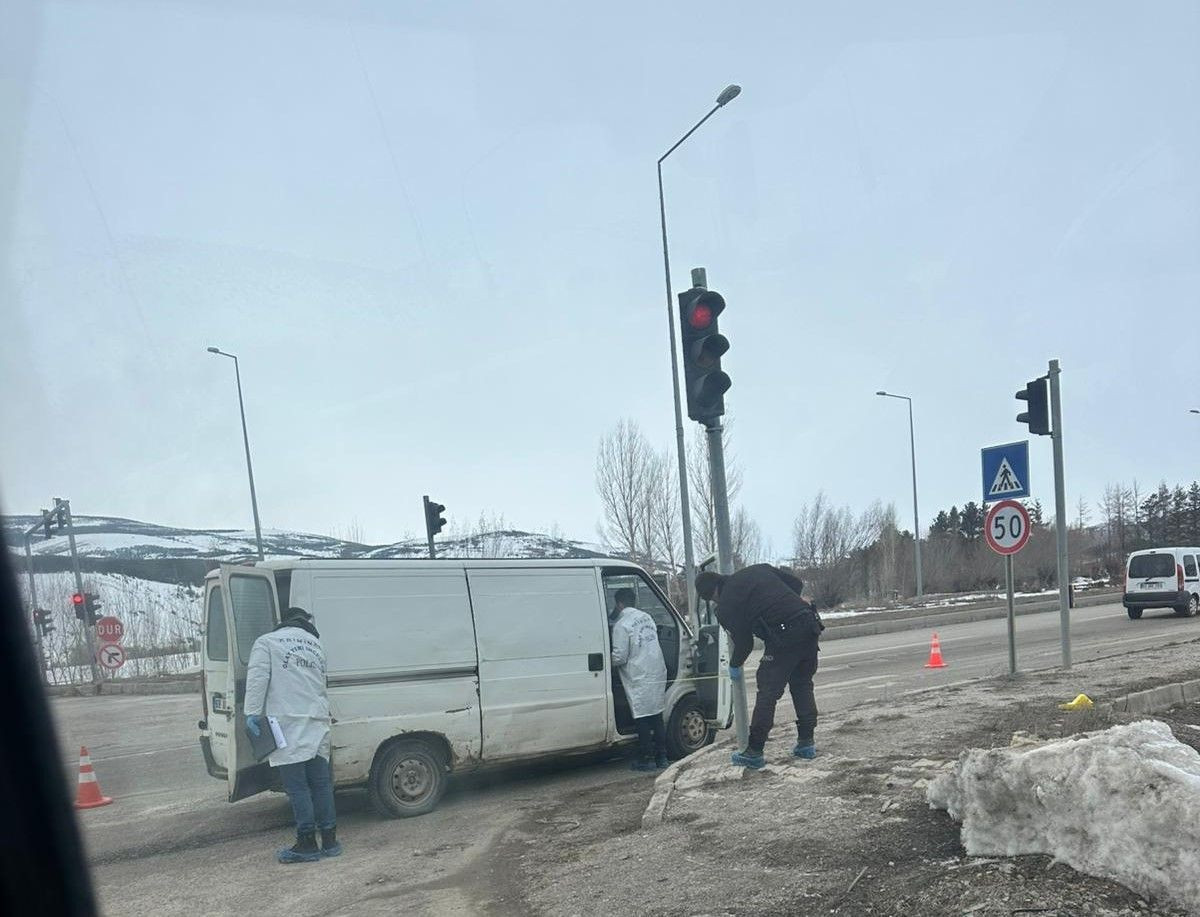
pixel 116 539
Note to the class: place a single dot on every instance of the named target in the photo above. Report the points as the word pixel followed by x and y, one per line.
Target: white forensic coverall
pixel 639 660
pixel 286 680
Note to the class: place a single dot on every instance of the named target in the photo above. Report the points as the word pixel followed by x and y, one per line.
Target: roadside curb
pixel 122 687
pixel 834 631
pixel 664 784
pixel 1157 700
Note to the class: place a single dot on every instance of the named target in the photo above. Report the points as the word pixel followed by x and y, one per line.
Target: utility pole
pixel 88 630
pixel 1060 513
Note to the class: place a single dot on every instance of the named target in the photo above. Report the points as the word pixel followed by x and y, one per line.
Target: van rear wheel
pixel 409 778
pixel 1134 613
pixel 687 730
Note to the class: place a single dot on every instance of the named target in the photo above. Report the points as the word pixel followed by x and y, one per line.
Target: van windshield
pixel 1144 566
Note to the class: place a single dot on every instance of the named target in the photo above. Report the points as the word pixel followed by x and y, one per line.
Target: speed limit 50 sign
pixel 1007 527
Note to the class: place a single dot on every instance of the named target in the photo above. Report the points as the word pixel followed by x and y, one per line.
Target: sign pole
pixel 1060 513
pixel 1012 616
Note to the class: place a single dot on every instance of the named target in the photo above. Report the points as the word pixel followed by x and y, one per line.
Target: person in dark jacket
pixel 765 601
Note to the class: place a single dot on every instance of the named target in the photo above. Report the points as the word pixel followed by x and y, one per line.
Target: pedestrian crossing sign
pixel 1005 472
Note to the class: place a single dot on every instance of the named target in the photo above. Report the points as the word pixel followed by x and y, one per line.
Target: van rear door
pixel 251 609
pixel 1150 573
pixel 214 681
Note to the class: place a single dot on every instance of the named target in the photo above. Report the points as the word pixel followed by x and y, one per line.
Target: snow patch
pixel 1122 804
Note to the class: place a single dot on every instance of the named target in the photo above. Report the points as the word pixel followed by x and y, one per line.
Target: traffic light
pixel 434 521
pixel 703 345
pixel 77 602
pixel 1037 416
pixel 41 617
pixel 60 513
pixel 91 603
pixel 47 521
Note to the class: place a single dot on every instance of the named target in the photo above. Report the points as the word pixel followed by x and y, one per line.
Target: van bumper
pixel 1175 598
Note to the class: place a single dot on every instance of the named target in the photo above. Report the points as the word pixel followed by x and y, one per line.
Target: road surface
pixel 170 844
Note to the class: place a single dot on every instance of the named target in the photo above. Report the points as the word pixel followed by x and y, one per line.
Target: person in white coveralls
pixel 286 681
pixel 638 658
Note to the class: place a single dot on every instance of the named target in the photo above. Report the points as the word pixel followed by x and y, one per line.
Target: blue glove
pixel 254 725
pixel 735 673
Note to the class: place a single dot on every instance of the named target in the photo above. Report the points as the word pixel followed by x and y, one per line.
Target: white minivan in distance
pixel 1163 578
pixel 444 666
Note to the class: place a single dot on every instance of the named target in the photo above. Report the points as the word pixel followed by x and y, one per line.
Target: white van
pixel 1163 578
pixel 444 666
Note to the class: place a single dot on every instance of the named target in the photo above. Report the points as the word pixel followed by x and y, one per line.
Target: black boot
pixel 330 846
pixel 303 851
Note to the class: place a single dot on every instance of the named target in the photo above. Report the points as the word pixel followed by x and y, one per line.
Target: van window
pixel 1189 566
pixel 253 610
pixel 647 599
pixel 214 628
pixel 1144 566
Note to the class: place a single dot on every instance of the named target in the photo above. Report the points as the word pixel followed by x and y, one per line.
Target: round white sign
pixel 1007 527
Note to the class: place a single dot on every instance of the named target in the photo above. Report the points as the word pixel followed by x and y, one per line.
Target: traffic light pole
pixel 1060 514
pixel 720 498
pixel 88 630
pixel 39 638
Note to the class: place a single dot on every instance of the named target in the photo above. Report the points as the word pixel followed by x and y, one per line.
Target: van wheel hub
pixel 411 779
pixel 694 729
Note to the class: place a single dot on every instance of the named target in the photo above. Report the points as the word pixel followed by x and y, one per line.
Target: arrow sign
pixel 112 656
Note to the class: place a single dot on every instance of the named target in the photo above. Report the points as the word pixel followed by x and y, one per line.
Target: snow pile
pixel 1122 804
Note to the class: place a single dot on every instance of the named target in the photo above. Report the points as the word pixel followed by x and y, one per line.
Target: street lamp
pixel 728 94
pixel 246 440
pixel 1194 411
pixel 912 445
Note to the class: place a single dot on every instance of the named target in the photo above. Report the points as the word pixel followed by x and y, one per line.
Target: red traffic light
pixel 701 316
pixel 77 599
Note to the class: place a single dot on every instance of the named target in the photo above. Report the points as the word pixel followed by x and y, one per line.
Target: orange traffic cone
pixel 89 796
pixel 935 654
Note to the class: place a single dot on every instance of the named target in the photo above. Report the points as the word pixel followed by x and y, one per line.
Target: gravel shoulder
pixel 848 833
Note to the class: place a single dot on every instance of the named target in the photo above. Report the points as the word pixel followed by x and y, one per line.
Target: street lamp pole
pixel 912 446
pixel 728 94
pixel 246 440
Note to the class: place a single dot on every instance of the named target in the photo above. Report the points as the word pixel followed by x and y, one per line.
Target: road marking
pixel 139 754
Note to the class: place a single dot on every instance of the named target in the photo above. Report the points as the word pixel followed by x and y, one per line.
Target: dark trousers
pixel 309 787
pixel 785 667
pixel 652 737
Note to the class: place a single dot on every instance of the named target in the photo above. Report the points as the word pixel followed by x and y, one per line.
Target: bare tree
pixel 747 539
pixel 704 522
pixel 1082 514
pixel 622 480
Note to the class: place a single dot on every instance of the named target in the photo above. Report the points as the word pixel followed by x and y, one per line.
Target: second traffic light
pixel 87 607
pixel 41 617
pixel 1037 415
pixel 703 346
pixel 434 520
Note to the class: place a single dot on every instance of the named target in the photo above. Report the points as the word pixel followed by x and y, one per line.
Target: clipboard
pixel 269 739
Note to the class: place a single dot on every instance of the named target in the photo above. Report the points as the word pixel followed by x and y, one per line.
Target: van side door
pixel 251 610
pixel 543 660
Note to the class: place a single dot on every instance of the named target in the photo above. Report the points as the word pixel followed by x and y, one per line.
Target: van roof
pixel 318 563
pixel 1162 551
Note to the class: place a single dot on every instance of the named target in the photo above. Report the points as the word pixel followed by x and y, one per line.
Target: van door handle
pixel 595 662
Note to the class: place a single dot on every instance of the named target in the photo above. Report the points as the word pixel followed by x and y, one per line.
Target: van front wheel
pixel 409 778
pixel 687 730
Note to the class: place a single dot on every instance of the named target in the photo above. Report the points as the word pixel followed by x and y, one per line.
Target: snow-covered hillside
pixel 128 539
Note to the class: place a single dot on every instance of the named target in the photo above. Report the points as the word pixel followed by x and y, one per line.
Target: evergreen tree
pixel 971 522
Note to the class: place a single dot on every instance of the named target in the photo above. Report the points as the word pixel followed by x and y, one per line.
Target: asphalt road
pixel 171 829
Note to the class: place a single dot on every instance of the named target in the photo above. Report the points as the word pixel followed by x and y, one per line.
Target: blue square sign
pixel 1005 472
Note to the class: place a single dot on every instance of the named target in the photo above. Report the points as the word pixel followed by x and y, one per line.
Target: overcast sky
pixel 430 232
